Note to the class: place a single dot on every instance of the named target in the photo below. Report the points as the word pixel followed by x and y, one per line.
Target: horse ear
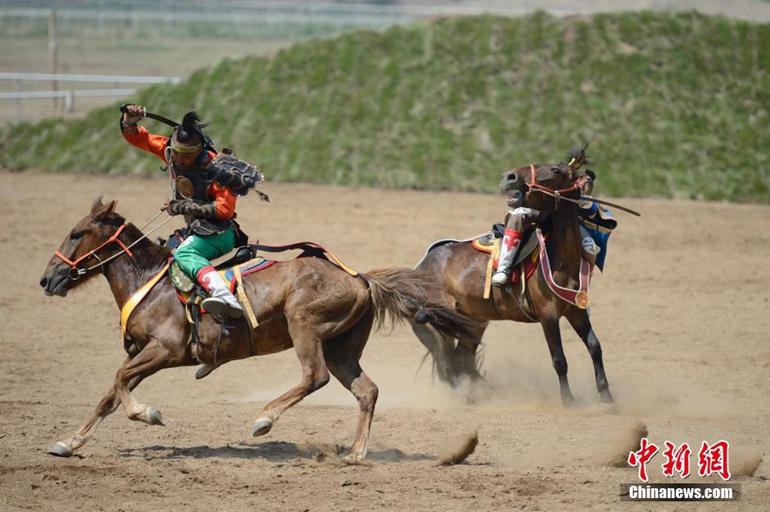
pixel 97 204
pixel 100 211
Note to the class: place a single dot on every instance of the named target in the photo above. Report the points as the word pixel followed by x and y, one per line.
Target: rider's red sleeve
pixel 224 199
pixel 142 139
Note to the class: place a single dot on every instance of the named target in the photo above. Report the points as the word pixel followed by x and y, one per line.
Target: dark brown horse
pixel 463 274
pixel 307 303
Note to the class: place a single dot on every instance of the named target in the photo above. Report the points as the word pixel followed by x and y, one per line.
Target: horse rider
pixel 517 221
pixel 208 207
pixel 596 224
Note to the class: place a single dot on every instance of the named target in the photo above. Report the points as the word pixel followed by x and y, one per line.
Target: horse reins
pixel 557 194
pixel 76 273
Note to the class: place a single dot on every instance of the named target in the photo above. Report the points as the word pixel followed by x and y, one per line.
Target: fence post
pixel 53 52
pixel 18 101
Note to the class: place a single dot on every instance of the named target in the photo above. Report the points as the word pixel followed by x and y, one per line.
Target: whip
pixel 152 115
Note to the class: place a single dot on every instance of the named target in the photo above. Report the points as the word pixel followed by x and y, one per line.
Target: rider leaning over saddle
pixel 596 224
pixel 208 206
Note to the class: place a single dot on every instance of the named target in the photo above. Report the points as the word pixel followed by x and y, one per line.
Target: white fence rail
pixel 69 95
pixel 116 79
pixel 364 15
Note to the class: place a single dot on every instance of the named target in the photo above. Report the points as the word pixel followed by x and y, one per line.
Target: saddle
pixel 490 243
pixel 244 254
pixel 245 261
pixel 531 255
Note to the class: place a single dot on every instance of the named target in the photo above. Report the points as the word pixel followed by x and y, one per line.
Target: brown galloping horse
pixel 462 272
pixel 325 313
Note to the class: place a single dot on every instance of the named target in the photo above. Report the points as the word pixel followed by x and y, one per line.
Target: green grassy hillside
pixel 674 105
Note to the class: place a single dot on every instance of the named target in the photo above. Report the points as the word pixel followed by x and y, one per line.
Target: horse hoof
pixel 354 458
pixel 60 449
pixel 606 398
pixel 203 370
pixel 609 408
pixel 154 417
pixel 262 427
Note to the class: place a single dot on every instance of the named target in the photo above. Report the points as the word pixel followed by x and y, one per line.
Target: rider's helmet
pixel 188 137
pixel 187 143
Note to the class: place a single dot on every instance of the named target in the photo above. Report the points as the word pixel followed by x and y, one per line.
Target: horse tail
pixel 400 294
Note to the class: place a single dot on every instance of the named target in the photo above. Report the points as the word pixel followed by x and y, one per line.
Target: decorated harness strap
pixel 131 303
pixel 577 297
pixel 309 249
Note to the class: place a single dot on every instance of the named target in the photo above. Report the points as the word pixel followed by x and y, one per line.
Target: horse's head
pixel 536 185
pixel 87 245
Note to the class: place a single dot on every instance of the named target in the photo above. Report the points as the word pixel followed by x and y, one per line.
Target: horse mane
pixel 577 157
pixel 151 253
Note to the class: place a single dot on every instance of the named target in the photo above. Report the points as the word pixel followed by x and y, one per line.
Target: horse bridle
pixel 533 185
pixel 76 272
pixel 558 194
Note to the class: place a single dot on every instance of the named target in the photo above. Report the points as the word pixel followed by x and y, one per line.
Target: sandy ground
pixel 681 311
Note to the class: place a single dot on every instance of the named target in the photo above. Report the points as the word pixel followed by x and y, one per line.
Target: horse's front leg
pixel 108 405
pixel 579 320
pixel 153 357
pixel 553 338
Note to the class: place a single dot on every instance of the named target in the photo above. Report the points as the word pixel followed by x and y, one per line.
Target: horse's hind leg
pixel 442 351
pixel 452 361
pixel 553 338
pixel 107 406
pixel 342 357
pixel 466 357
pixel 307 345
pixel 579 320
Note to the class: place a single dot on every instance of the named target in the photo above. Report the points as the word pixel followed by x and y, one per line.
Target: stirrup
pixel 221 308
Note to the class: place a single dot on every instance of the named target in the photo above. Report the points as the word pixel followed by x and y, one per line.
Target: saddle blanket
pixel 528 256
